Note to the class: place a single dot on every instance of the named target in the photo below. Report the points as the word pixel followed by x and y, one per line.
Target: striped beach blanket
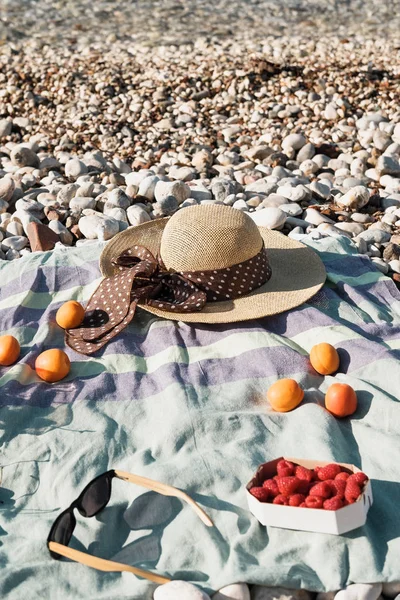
pixel 186 405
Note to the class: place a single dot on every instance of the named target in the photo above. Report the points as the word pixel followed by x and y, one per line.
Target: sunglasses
pixel 90 502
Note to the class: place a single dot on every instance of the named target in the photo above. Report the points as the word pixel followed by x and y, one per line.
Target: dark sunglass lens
pixel 96 497
pixel 63 528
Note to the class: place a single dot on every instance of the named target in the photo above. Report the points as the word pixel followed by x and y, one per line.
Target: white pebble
pixel 179 590
pixel 360 591
pixel 273 218
pixel 235 591
pixel 137 215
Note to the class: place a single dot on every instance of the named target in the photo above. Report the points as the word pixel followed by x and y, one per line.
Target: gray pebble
pixel 7 187
pixel 21 156
pixel 380 264
pixel 168 205
pixel 16 242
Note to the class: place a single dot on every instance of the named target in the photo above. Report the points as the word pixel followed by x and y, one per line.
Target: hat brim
pixel 297 275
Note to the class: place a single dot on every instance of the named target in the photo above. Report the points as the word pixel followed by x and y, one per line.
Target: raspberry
pixel 359 478
pixel 303 505
pixel 314 502
pixel 287 485
pixel 304 487
pixel 321 489
pixel 271 486
pixel 338 486
pixel 303 473
pixel 281 499
pixel 260 493
pixel 343 475
pixel 333 503
pixel 296 499
pixel 329 472
pixel 352 491
pixel 285 468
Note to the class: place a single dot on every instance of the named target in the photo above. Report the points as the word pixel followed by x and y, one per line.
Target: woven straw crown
pixel 198 239
pixel 208 237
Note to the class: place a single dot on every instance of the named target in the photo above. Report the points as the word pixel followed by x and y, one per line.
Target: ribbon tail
pixel 82 346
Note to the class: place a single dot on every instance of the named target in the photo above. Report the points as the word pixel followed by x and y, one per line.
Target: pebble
pixel 391 252
pixel 315 218
pixel 179 189
pixel 96 227
pixel 74 168
pixel 293 209
pixel 261 592
pixel 294 141
pixel 306 152
pixel 64 234
pixel 136 215
pixel 355 198
pixel 360 591
pixel 7 187
pixel 179 590
pixel 5 128
pixel 320 190
pixel 380 264
pixel 12 254
pixel 353 228
pixel 3 206
pixel 391 590
pixel 376 236
pixel 21 156
pixel 14 228
pixel 235 591
pixel 168 205
pixel 78 203
pixel 118 198
pixel 360 218
pixel 395 265
pixel 388 165
pixel 273 218
pixel 15 242
pixel 294 194
pixel 147 187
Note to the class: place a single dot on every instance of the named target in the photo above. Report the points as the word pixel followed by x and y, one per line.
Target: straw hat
pixel 206 237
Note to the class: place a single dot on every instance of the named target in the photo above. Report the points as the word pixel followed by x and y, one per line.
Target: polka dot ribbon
pixel 143 279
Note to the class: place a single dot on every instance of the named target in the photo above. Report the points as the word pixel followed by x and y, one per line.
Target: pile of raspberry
pixel 330 487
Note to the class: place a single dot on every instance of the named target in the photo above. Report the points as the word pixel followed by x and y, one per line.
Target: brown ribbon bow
pixel 144 279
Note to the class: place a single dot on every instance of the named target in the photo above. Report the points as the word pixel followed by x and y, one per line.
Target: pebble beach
pixel 119 113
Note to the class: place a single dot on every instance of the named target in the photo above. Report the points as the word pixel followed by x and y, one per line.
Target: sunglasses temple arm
pixel 103 565
pixel 166 490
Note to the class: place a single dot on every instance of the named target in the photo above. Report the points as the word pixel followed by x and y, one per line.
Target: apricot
pixel 70 314
pixel 324 358
pixel 341 400
pixel 285 395
pixel 52 365
pixel 9 350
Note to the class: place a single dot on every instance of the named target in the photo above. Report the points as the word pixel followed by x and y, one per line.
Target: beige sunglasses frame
pixel 111 566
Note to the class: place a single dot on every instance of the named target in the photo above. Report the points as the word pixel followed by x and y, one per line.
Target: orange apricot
pixel 70 314
pixel 52 365
pixel 9 350
pixel 284 395
pixel 324 358
pixel 341 400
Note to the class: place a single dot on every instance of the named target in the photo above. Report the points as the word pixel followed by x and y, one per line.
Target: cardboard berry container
pixel 308 519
